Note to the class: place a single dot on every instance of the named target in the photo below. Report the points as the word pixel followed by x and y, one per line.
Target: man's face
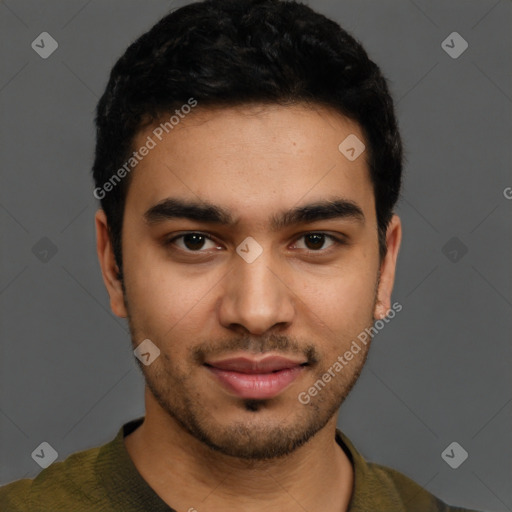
pixel 217 314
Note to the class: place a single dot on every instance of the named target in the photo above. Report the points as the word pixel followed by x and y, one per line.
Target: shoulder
pixel 13 496
pixel 69 484
pixel 409 492
pixel 378 487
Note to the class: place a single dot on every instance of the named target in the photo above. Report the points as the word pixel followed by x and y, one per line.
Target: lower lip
pixel 259 385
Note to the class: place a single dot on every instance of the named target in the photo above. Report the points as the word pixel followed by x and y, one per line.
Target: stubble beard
pixel 252 439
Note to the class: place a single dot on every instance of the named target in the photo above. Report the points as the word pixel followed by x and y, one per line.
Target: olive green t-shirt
pixel 104 479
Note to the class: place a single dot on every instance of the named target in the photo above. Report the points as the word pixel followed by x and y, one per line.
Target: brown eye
pixel 192 242
pixel 316 241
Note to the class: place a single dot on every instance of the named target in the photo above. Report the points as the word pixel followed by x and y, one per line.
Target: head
pixel 232 223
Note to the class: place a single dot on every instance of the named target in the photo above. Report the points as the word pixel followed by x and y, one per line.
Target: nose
pixel 256 296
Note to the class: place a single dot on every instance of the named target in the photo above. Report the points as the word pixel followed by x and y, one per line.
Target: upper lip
pixel 246 364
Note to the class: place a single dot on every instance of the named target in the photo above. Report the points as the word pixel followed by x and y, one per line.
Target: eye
pixel 315 241
pixel 199 242
pixel 192 242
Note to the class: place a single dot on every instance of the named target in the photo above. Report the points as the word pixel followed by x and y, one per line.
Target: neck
pixel 188 475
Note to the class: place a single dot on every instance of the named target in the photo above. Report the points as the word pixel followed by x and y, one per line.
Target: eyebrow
pixel 203 211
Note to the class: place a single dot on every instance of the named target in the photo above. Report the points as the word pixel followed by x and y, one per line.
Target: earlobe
pixel 109 268
pixel 380 310
pixel 388 268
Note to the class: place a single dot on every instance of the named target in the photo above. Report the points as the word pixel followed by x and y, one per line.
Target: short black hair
pixel 225 53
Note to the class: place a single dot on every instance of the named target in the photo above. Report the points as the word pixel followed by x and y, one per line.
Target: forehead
pixel 251 159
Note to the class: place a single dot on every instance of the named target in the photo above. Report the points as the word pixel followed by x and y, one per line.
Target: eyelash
pixel 337 241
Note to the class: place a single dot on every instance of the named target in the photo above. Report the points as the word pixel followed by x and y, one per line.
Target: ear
pixel 388 267
pixel 109 268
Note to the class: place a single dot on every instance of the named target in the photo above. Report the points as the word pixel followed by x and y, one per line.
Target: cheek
pixel 163 296
pixel 343 303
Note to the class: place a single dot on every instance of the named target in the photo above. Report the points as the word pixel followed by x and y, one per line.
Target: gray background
pixel 439 372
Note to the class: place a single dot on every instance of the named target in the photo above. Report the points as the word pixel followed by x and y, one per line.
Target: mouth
pixel 251 378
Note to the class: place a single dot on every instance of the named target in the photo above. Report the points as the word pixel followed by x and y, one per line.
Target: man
pixel 248 162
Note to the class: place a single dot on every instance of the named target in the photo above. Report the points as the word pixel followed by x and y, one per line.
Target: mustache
pixel 284 345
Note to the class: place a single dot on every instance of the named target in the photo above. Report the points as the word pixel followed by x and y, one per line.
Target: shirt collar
pixel 371 489
pixel 369 492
